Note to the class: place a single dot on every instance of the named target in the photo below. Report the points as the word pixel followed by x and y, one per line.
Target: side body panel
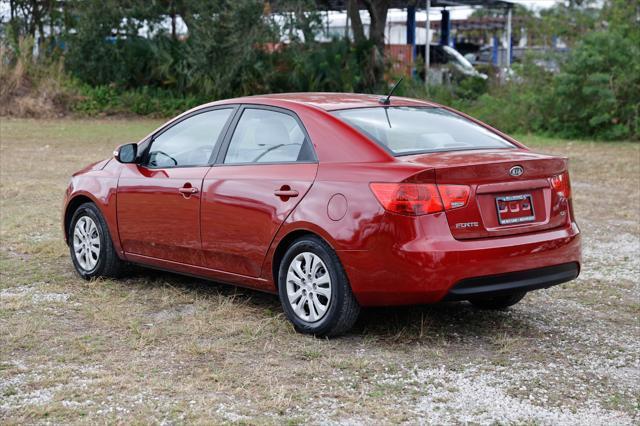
pixel 241 213
pixel 154 218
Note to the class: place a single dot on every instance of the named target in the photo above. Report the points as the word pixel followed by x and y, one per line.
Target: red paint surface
pixel 231 228
pixel 241 214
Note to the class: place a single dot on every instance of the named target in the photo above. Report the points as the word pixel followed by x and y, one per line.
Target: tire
pixel 498 302
pixel 103 261
pixel 328 287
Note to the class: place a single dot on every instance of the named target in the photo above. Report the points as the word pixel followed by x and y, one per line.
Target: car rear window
pixel 413 130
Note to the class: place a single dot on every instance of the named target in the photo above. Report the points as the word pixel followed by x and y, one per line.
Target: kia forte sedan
pixel 333 202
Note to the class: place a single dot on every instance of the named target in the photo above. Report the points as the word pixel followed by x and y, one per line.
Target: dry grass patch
pixel 31 88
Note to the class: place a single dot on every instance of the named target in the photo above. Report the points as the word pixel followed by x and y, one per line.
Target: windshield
pixel 412 130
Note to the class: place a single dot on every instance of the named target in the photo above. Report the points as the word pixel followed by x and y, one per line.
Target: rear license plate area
pixel 514 209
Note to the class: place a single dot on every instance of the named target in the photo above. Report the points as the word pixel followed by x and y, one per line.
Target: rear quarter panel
pixel 362 225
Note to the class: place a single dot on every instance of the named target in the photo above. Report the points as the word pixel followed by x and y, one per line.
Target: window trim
pixel 224 147
pixel 217 144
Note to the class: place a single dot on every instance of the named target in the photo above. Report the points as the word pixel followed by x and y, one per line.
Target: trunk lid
pixel 500 203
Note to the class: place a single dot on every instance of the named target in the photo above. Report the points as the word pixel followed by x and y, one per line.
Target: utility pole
pixel 509 38
pixel 427 26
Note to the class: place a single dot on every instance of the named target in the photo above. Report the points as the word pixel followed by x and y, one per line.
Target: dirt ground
pixel 160 348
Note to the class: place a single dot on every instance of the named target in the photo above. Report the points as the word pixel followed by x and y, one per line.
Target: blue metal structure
pixel 445 28
pixel 411 29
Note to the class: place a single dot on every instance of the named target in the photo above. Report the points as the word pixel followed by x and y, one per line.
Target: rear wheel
pixel 314 289
pixel 90 244
pixel 498 302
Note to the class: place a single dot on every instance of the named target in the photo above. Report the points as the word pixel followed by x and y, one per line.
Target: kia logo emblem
pixel 516 171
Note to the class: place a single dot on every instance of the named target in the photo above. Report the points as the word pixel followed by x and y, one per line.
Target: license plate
pixel 514 209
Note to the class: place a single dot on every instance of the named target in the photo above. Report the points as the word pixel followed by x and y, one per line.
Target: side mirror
pixel 127 153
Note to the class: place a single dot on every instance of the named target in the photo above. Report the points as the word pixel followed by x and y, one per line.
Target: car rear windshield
pixel 413 130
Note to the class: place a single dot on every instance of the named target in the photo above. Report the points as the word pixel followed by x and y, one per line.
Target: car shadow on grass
pixel 448 321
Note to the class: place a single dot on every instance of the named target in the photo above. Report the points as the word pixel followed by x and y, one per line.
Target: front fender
pixel 97 185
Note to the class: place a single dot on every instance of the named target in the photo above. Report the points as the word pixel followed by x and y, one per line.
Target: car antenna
pixel 387 100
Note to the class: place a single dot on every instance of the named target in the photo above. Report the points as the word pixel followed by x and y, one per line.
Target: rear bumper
pixel 494 285
pixel 432 266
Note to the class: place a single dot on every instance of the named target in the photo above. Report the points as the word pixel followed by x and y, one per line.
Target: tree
pixel 377 10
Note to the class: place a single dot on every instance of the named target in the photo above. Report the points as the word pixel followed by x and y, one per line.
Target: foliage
pixel 569 21
pixel 335 66
pixel 32 86
pixel 147 101
pixel 598 91
pixel 115 57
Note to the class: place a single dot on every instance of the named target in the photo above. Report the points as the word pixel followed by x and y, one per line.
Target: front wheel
pixel 498 302
pixel 90 244
pixel 314 289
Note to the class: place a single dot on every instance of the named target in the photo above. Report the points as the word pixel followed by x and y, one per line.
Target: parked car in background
pixel 445 60
pixel 332 201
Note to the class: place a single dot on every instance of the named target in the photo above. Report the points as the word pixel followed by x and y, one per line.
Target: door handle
pixel 188 190
pixel 285 192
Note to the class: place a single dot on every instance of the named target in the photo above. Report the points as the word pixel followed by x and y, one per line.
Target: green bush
pixel 148 101
pixel 595 95
pixel 335 66
pixel 598 91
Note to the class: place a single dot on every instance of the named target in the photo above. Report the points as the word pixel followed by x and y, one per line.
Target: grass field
pixel 160 348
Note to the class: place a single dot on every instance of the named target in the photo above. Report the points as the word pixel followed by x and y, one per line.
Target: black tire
pixel 343 308
pixel 108 263
pixel 498 302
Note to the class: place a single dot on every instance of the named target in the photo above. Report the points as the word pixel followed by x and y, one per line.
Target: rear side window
pixel 190 142
pixel 410 130
pixel 265 136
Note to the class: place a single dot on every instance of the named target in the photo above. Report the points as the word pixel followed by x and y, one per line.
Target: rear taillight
pixel 420 198
pixel 408 198
pixel 454 196
pixel 560 184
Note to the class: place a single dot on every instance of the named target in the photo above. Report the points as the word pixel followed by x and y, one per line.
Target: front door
pixel 158 201
pixel 268 167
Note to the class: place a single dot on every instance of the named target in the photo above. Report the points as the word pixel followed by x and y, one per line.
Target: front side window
pixel 265 136
pixel 413 130
pixel 190 142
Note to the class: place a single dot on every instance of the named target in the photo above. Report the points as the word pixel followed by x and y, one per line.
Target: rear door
pixel 265 168
pixel 158 201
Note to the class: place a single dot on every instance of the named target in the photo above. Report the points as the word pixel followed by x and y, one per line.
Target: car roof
pixel 329 101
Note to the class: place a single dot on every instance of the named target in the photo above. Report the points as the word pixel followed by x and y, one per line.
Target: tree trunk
pixel 356 22
pixel 378 12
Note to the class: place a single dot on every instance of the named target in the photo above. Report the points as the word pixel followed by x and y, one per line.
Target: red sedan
pixel 332 201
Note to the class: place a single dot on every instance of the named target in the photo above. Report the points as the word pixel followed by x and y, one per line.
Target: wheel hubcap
pixel 308 287
pixel 86 243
